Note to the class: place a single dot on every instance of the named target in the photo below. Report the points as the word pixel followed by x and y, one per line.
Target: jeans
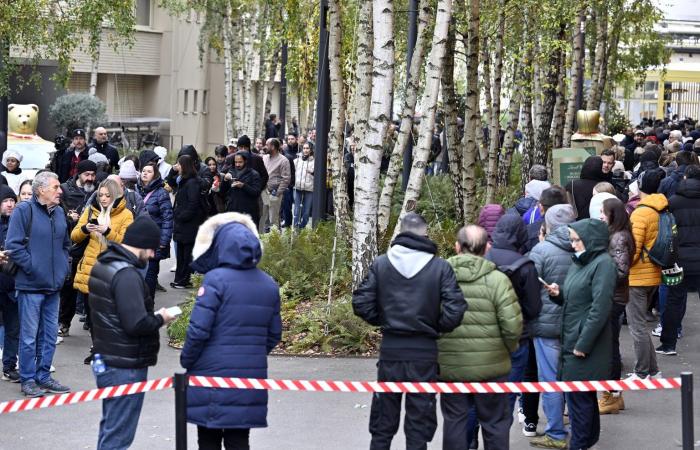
pixel 663 295
pixel 585 419
pixel 152 275
pixel 120 415
pixel 264 204
pixel 548 351
pixel 675 309
pixel 233 438
pixel 183 256
pixel 287 203
pixel 492 411
pixel 69 297
pixel 615 326
pixel 420 421
pixel 275 203
pixel 10 338
pixel 302 207
pixel 518 360
pixel 645 354
pixel 38 316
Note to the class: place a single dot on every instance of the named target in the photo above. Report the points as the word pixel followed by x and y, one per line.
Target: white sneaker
pixel 52 369
pixel 521 416
pixel 657 331
pixel 59 339
pixel 172 269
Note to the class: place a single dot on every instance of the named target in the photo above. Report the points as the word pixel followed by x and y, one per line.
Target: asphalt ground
pixel 337 421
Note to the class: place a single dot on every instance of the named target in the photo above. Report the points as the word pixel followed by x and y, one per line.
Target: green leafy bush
pixel 73 111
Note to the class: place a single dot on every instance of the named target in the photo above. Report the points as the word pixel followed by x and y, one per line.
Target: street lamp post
pixel 319 205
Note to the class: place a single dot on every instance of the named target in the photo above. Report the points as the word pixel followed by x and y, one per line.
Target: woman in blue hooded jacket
pixel 234 325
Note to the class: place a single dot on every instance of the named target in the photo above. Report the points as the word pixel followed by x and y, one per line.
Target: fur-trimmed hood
pixel 227 239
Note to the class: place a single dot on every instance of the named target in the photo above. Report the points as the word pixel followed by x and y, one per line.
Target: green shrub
pixel 73 111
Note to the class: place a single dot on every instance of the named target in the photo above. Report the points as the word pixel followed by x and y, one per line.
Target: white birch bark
pixel 433 76
pixel 494 115
pixel 408 110
pixel 472 120
pixel 452 134
pixel 362 97
pixel 364 242
pixel 228 76
pixel 577 55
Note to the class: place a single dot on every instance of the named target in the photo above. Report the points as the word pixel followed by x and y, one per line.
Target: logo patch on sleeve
pixel 201 291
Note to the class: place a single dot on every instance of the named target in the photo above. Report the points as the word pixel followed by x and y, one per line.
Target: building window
pixel 185 103
pixel 143 13
pixel 205 107
pixel 194 101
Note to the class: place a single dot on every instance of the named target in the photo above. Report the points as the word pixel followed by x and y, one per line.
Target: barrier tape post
pixel 180 385
pixel 687 410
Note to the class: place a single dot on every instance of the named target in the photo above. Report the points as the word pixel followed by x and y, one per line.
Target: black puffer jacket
pixel 685 206
pixel 202 170
pixel 509 239
pixel 73 198
pixel 125 330
pixel 413 296
pixel 582 189
pixel 244 199
pixel 188 211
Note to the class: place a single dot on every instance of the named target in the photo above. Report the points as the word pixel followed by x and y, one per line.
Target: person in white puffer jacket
pixel 303 186
pixel 13 174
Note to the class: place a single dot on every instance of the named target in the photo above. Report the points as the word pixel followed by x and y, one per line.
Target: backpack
pixel 511 269
pixel 664 252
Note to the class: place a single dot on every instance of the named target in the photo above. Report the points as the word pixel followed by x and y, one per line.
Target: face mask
pixel 578 254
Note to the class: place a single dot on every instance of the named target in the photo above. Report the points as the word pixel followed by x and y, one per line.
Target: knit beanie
pixel 244 141
pixel 559 215
pixel 127 171
pixel 87 166
pixel 162 152
pixel 142 233
pixel 594 208
pixel 535 187
pixel 650 180
pixel 7 192
pixel 98 158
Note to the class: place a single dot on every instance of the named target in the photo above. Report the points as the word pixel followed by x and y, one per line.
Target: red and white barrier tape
pixel 85 396
pixel 338 386
pixel 433 388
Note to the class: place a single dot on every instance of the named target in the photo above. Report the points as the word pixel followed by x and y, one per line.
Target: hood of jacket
pixel 489 215
pixel 190 151
pixel 595 236
pixel 523 204
pixel 469 268
pixel 409 253
pixel 560 238
pixel 228 239
pixel 689 188
pixel 510 233
pixel 593 169
pixel 117 207
pixel 656 201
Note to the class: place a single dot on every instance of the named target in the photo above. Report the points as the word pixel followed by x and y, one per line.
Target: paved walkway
pixel 320 421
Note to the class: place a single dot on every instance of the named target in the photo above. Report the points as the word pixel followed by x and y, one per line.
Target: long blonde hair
pixel 115 192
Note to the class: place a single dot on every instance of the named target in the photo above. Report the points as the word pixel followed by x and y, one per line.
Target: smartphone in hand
pixel 174 310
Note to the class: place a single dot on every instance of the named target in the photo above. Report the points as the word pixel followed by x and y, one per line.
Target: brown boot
pixel 609 404
pixel 621 401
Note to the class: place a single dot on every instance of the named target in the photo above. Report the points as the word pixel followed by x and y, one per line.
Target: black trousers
pixel 585 419
pixel 420 421
pixel 675 309
pixel 68 296
pixel 233 438
pixel 493 413
pixel 616 325
pixel 531 402
pixel 183 257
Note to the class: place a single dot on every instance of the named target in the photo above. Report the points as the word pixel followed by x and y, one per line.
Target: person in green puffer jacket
pixel 479 348
pixel 586 337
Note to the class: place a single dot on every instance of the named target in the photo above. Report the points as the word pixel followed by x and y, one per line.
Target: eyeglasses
pixel 575 240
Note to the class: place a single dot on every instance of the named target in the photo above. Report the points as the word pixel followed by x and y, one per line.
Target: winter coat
pixel 73 198
pixel 619 249
pixel 278 170
pixel 255 162
pixel 304 174
pixel 66 163
pixel 160 209
pixel 586 297
pixel 413 296
pixel 187 210
pixel 685 206
pixel 522 205
pixel 15 179
pixel 552 258
pixel 7 283
pixel 480 347
pixel 110 152
pixel 43 262
pixel 632 203
pixel 581 190
pixel 489 215
pixel 120 218
pixel 509 238
pixel 645 227
pixel 669 184
pixel 244 199
pixel 234 324
pixel 124 328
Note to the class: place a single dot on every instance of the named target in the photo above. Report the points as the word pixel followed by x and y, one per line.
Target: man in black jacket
pixel 684 206
pixel 125 328
pixel 101 144
pixel 509 240
pixel 413 296
pixel 8 299
pixel 76 152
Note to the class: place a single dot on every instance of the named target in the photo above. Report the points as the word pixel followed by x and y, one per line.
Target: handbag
pixel 10 267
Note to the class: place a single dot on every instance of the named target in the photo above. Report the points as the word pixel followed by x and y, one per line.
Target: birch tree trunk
pixel 527 94
pixel 364 248
pixel 228 76
pixel 93 75
pixel 452 134
pixel 337 125
pixel 482 142
pixel 509 138
pixel 559 107
pixel 577 56
pixel 471 117
pixel 433 75
pixel 595 94
pixel 494 116
pixel 408 110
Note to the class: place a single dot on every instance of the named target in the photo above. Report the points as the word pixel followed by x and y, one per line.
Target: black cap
pixel 7 192
pixel 79 132
pixel 86 166
pixel 244 141
pixel 650 180
pixel 142 233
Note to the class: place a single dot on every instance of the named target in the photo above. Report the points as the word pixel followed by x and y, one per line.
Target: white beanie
pixel 596 205
pixel 98 158
pixel 10 154
pixel 535 187
pixel 162 152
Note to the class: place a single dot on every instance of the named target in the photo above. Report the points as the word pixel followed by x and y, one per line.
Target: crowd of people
pixel 540 291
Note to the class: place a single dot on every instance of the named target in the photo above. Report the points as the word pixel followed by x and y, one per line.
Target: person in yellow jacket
pixel 106 219
pixel 645 276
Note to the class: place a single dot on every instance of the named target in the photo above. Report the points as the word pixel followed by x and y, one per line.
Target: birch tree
pixel 408 111
pixel 364 242
pixel 494 125
pixel 433 76
pixel 363 78
pixel 452 135
pixel 472 121
pixel 228 75
pixel 577 57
